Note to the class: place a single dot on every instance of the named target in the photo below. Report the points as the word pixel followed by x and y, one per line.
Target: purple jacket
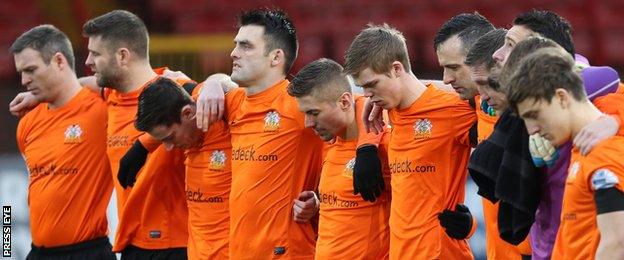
pixel 548 214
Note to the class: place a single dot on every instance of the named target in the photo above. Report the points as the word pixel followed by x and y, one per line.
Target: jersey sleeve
pixel 612 104
pixel 464 117
pixel 604 165
pixel 605 178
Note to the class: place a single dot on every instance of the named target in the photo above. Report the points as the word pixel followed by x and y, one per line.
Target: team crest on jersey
pixel 573 171
pixel 348 170
pixel 271 121
pixel 217 160
pixel 422 128
pixel 73 134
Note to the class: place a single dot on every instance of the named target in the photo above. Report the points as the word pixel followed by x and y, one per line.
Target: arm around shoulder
pixel 90 82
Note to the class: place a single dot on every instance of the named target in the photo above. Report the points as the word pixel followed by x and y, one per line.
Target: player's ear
pixel 123 56
pixel 345 101
pixel 187 113
pixel 397 69
pixel 563 97
pixel 59 61
pixel 277 57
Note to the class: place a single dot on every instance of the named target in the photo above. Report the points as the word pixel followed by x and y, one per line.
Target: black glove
pixel 130 164
pixel 367 177
pixel 458 223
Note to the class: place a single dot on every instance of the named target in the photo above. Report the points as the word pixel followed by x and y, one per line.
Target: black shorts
pixel 132 252
pixel 99 248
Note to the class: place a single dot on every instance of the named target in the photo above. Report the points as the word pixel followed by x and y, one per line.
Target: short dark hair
pixel 468 27
pixel 279 31
pixel 160 104
pixel 120 28
pixel 522 50
pixel 321 78
pixel 541 74
pixel 47 40
pixel 481 51
pixel 376 47
pixel 549 25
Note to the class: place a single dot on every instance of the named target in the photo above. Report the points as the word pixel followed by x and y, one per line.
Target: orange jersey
pixel 208 181
pixel 153 214
pixel 612 104
pixel 70 184
pixel 274 158
pixel 428 155
pixel 578 235
pixel 122 109
pixel 349 227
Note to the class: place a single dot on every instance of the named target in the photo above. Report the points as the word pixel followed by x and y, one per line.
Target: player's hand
pixel 367 177
pixel 131 163
pixel 596 132
pixel 210 104
pixel 305 206
pixel 542 151
pixel 457 223
pixel 176 76
pixel 372 117
pixel 22 103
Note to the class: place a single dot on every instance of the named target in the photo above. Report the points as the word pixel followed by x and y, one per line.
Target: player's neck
pixel 69 89
pixel 264 83
pixel 352 130
pixel 582 114
pixel 136 76
pixel 412 89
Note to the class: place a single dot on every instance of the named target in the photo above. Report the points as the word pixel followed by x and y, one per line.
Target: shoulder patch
pixel 603 179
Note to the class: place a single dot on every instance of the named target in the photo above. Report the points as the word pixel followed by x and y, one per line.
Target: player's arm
pixel 131 163
pixel 611 226
pixel 438 84
pixel 458 223
pixel 211 99
pixel 372 117
pixel 22 103
pixel 598 82
pixel 596 132
pixel 20 135
pixel 178 77
pixel 25 101
pixel 609 200
pixel 464 123
pixel 368 178
pixel 90 82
